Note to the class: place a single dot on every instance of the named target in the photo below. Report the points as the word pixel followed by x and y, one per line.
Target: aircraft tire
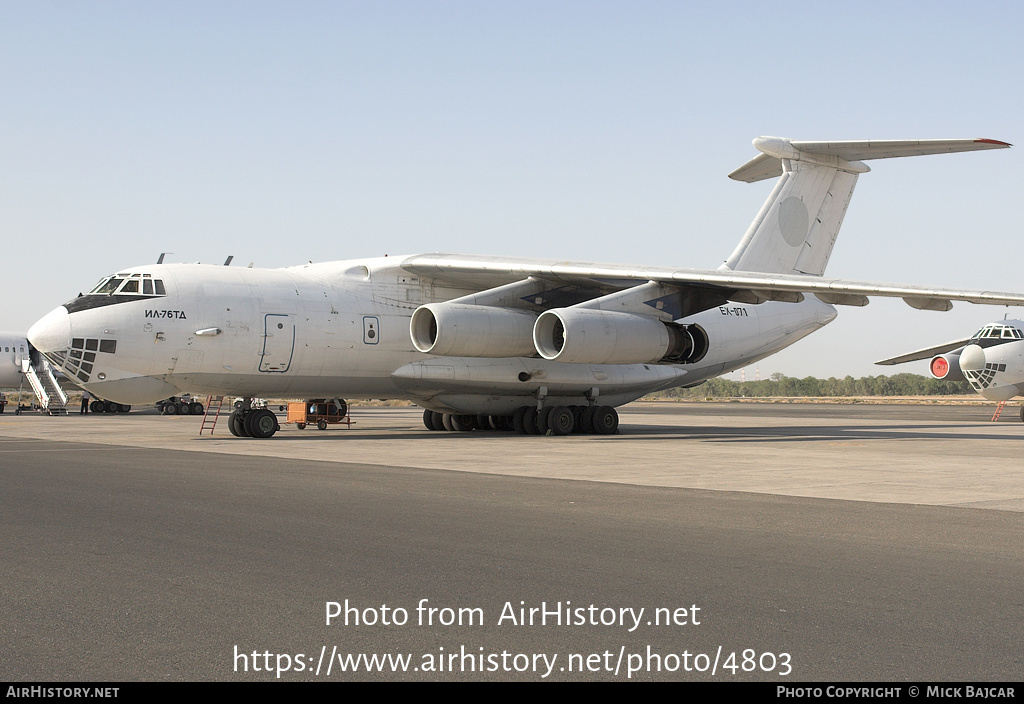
pixel 446 420
pixel 196 408
pixel 577 418
pixel 561 421
pixel 606 421
pixel 236 424
pixel 588 420
pixel 530 421
pixel 463 423
pixel 97 407
pixel 517 421
pixel 438 421
pixel 542 419
pixel 428 419
pixel 123 408
pixel 170 409
pixel 262 423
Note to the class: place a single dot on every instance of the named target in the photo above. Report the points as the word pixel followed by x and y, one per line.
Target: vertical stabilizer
pixel 796 228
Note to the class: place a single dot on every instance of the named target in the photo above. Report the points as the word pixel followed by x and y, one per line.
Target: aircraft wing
pixel 717 285
pixel 925 353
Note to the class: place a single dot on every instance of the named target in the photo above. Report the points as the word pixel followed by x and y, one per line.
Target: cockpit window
pixel 1002 332
pixel 129 284
pixel 108 285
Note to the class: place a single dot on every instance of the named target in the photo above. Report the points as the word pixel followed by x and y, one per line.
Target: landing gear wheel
pixel 236 424
pixel 588 420
pixel 123 408
pixel 463 423
pixel 606 421
pixel 97 407
pixel 1022 413
pixel 542 419
pixel 438 420
pixel 446 421
pixel 517 420
pixel 196 408
pixel 321 425
pixel 170 409
pixel 261 423
pixel 530 421
pixel 561 421
pixel 428 419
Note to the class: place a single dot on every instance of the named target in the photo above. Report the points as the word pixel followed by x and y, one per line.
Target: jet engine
pixel 589 336
pixel 461 330
pixel 947 367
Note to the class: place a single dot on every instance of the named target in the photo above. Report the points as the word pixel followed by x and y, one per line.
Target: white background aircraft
pixel 991 360
pixel 535 345
pixel 13 349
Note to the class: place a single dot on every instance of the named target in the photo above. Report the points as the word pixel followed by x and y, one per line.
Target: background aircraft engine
pixel 459 330
pixel 588 336
pixel 946 367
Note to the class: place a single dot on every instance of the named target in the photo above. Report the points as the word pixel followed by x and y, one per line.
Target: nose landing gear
pixel 247 422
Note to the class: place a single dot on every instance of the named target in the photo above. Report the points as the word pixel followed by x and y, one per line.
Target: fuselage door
pixel 278 343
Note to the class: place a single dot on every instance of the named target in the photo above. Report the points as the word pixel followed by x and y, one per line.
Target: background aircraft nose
pixel 972 359
pixel 52 331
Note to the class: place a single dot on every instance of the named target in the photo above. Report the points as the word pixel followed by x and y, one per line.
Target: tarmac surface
pixel 836 542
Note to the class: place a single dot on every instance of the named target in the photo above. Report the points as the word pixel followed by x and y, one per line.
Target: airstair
pixel 52 399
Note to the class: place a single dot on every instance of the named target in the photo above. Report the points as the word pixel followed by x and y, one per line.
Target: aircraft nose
pixel 52 331
pixel 972 359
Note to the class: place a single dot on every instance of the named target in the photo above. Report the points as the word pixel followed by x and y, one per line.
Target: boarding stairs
pixel 208 421
pixel 52 399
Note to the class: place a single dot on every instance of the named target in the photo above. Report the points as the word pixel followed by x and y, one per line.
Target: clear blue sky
pixel 601 131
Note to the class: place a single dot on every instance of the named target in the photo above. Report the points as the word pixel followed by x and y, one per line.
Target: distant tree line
pixel 779 385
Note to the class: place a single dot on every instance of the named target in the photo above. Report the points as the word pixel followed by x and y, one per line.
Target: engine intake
pixel 460 330
pixel 946 367
pixel 588 336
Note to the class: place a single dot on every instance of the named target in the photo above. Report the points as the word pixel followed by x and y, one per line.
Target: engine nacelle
pixel 589 336
pixel 460 330
pixel 946 367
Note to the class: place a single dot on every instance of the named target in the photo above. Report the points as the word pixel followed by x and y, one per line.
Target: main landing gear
pixel 527 420
pixel 253 422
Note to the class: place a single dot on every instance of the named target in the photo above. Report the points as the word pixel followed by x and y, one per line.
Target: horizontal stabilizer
pixel 768 164
pixel 925 353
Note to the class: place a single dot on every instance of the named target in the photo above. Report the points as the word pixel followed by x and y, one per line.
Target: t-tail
pixel 796 228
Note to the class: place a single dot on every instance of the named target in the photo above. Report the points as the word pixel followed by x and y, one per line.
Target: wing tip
pixel 997 144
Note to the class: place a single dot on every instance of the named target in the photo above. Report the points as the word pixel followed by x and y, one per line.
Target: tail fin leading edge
pixel 796 228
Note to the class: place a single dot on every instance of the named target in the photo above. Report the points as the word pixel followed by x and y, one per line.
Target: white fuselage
pixel 993 361
pixel 14 350
pixel 342 329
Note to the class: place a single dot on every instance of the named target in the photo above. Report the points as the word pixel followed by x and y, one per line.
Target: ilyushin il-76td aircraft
pixel 991 360
pixel 538 346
